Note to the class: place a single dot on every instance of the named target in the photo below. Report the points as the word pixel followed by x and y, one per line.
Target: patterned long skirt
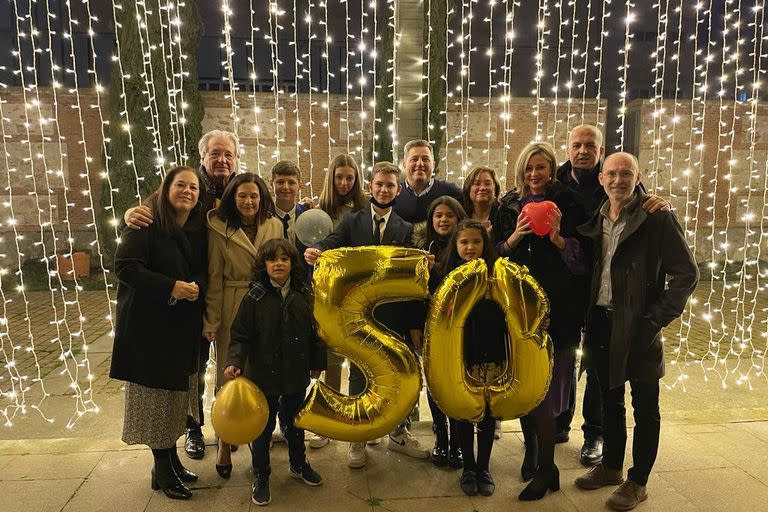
pixel 158 417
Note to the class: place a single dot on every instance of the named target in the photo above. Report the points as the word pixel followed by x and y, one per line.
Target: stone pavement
pixel 713 456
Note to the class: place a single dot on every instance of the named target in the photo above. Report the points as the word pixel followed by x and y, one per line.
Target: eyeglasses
pixel 217 154
pixel 624 175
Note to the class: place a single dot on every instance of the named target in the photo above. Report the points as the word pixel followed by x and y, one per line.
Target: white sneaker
pixel 356 455
pixel 277 436
pixel 409 445
pixel 498 432
pixel 374 442
pixel 318 441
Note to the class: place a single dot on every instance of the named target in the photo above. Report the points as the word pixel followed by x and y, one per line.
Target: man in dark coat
pixel 218 156
pixel 420 187
pixel 580 174
pixel 642 276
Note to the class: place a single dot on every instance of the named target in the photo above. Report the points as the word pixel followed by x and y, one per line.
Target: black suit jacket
pixel 356 230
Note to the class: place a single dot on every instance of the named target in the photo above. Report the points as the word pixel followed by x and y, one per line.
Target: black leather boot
pixel 531 459
pixel 164 477
pixel 183 473
pixel 440 451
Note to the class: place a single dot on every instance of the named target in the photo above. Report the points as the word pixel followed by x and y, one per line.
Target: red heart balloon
pixel 538 214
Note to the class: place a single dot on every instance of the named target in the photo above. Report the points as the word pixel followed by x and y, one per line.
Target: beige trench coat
pixel 230 262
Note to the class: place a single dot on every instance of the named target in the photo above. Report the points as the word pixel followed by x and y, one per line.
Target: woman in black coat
pixel 556 261
pixel 162 271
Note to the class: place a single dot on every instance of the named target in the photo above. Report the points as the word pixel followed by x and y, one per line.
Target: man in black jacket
pixel 580 174
pixel 643 274
pixel 420 187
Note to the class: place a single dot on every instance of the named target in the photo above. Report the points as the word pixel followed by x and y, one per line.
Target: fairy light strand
pixel 274 40
pixel 256 109
pixel 556 87
pixel 117 60
pixel 149 82
pixel 624 68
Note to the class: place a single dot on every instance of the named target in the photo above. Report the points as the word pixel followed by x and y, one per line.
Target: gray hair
pixel 202 146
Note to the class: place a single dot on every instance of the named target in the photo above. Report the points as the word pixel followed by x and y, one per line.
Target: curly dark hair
pixel 270 250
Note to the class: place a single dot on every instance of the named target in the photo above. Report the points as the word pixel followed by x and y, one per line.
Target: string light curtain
pixel 680 84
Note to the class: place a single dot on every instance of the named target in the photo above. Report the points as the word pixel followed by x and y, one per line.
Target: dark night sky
pixel 210 54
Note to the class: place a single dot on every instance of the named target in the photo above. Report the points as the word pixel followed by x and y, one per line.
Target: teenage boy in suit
pixel 377 225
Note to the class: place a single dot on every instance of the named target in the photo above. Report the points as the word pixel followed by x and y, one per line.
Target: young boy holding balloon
pixel 275 344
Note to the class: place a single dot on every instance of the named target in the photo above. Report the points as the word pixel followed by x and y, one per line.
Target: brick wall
pixel 473 141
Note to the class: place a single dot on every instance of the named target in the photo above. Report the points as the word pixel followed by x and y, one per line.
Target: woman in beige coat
pixel 243 221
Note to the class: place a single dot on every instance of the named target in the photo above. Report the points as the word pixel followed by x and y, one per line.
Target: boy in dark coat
pixel 274 343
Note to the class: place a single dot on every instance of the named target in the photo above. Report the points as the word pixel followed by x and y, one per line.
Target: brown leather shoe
pixel 599 476
pixel 627 496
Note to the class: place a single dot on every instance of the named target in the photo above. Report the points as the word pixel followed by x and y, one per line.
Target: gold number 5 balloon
pixel 349 284
pixel 528 368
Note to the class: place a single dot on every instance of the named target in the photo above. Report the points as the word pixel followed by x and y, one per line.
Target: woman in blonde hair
pixel 556 261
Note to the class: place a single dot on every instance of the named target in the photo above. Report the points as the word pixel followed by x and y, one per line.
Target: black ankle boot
pixel 164 477
pixel 546 478
pixel 531 459
pixel 183 473
pixel 440 452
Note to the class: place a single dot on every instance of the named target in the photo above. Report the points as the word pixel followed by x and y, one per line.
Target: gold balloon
pixel 240 412
pixel 348 284
pixel 524 381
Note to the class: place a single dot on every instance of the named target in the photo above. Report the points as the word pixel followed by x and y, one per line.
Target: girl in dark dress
pixel 485 348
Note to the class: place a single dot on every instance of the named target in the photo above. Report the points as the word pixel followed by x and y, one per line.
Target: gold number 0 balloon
pixel 348 284
pixel 528 370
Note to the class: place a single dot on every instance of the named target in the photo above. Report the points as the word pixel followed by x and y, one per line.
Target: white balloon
pixel 313 226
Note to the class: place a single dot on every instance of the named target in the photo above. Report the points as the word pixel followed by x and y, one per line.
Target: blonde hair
pixel 470 178
pixel 534 148
pixel 329 200
pixel 202 146
pixel 385 167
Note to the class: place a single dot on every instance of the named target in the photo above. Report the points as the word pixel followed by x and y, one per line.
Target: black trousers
pixel 645 405
pixel 591 409
pixel 466 434
pixel 286 407
pixel 443 423
pixel 205 345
